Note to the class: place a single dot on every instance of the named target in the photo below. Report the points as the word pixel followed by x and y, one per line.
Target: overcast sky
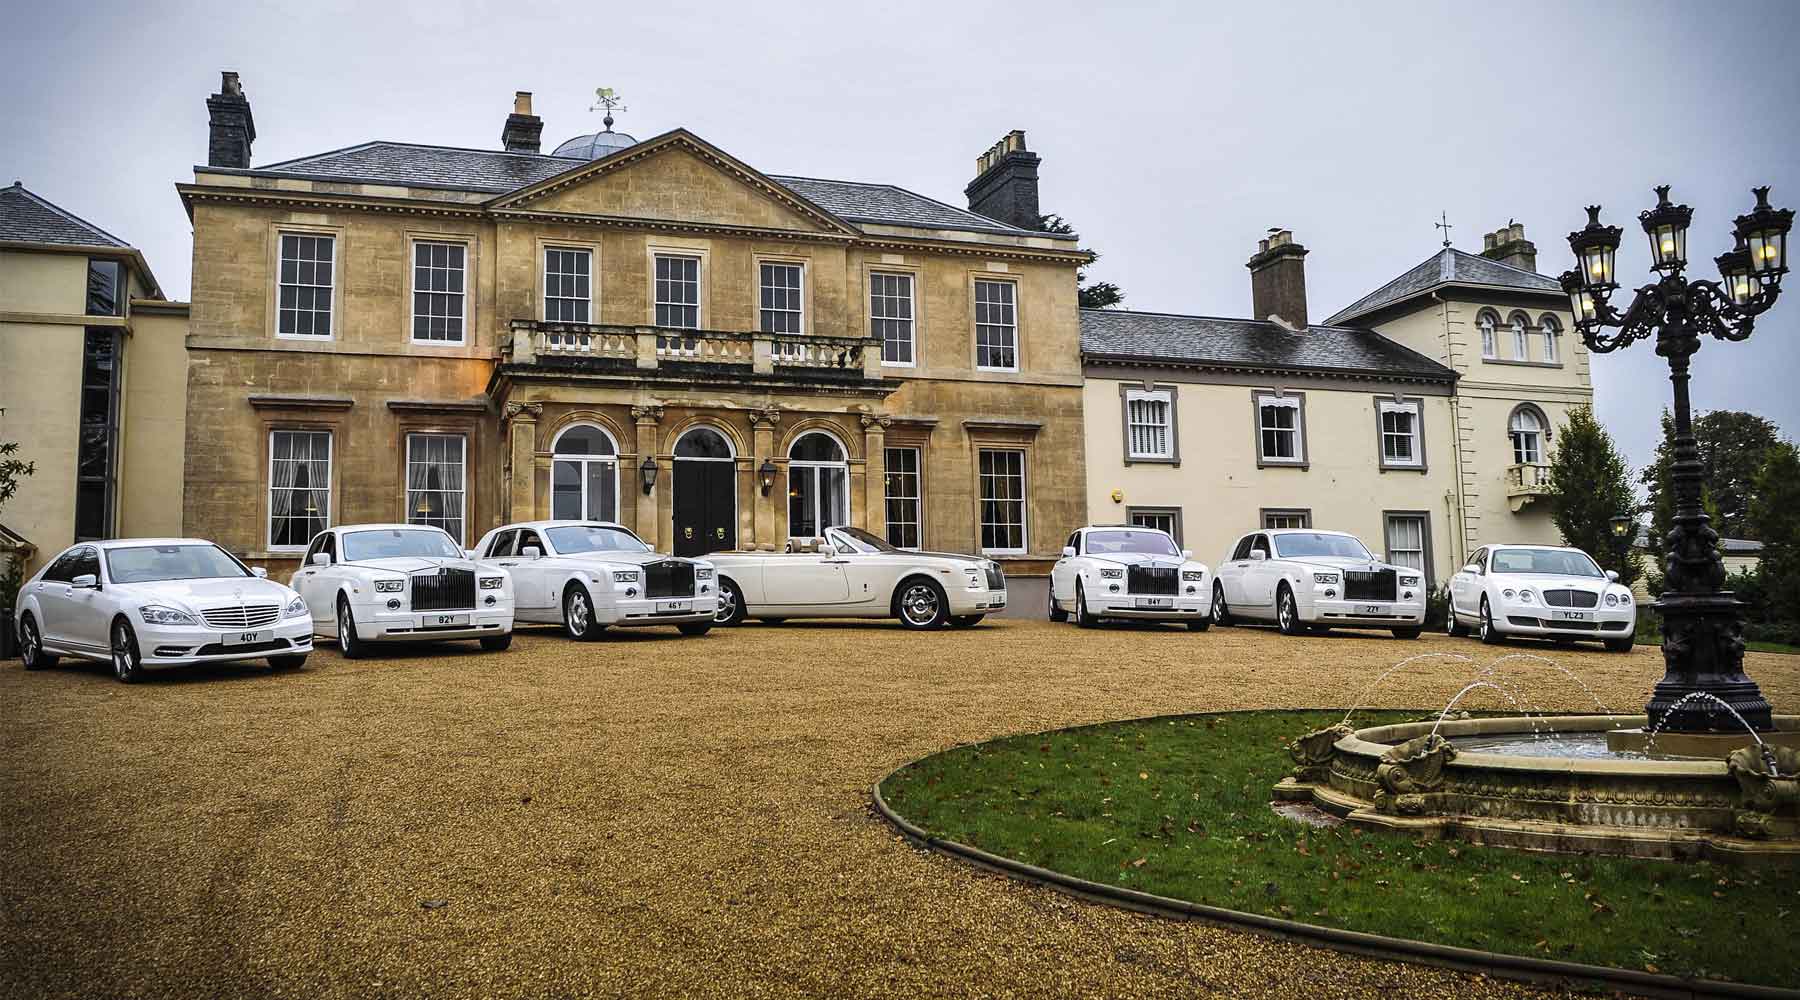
pixel 1172 136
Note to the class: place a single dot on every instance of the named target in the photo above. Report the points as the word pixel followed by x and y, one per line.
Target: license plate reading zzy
pixel 246 638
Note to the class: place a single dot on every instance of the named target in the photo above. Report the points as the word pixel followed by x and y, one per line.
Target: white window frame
pixel 1011 329
pixel 1292 401
pixel 413 292
pixel 911 320
pixel 916 498
pixel 544 276
pixel 581 462
pixel 1537 436
pixel 269 487
pixel 762 286
pixel 1521 331
pixel 1490 349
pixel 462 440
pixel 814 469
pixel 699 303
pixel 1024 502
pixel 1551 330
pixel 1171 514
pixel 1411 407
pixel 1424 550
pixel 281 238
pixel 1167 426
pixel 1286 518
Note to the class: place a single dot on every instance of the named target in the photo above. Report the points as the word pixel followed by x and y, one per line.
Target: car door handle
pixel 509 564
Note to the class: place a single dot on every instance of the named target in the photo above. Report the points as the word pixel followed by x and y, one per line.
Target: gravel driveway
pixel 642 816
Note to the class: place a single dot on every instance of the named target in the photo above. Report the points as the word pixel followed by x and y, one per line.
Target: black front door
pixel 705 507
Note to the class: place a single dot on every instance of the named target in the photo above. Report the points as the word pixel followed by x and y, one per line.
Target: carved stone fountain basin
pixel 1404 778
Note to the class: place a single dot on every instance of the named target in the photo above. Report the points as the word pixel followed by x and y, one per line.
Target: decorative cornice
pixel 267 402
pixel 524 411
pixel 441 405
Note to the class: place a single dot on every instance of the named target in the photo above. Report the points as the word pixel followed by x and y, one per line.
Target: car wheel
pixel 695 629
pixel 1452 627
pixel 965 621
pixel 1486 630
pixel 1619 645
pixel 921 604
pixel 31 646
pixel 127 664
pixel 496 643
pixel 293 661
pixel 1221 615
pixel 1057 614
pixel 578 614
pixel 731 605
pixel 1200 625
pixel 1407 633
pixel 349 643
pixel 1287 612
pixel 1082 618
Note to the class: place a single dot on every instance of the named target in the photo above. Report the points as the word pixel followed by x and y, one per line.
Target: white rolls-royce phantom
pixel 1543 591
pixel 1126 572
pixel 850 573
pixel 587 575
pixel 157 602
pixel 1302 579
pixel 369 583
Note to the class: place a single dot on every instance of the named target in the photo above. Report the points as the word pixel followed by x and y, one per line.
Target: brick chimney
pixel 1278 280
pixel 524 130
pixel 1509 246
pixel 231 129
pixel 1005 187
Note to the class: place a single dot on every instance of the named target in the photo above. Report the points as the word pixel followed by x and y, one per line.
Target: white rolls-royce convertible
pixel 369 583
pixel 1121 572
pixel 1302 579
pixel 850 573
pixel 587 575
pixel 157 602
pixel 1543 591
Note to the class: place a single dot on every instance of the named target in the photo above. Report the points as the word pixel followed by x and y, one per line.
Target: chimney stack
pixel 1278 280
pixel 1005 187
pixel 1509 246
pixel 231 129
pixel 524 130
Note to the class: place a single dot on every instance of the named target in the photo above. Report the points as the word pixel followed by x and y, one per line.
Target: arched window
pixel 1487 321
pixel 818 485
pixel 1552 330
pixel 703 442
pixel 1521 337
pixel 584 475
pixel 1527 430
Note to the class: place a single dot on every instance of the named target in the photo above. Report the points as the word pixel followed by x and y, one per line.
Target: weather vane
pixel 604 97
pixel 1444 224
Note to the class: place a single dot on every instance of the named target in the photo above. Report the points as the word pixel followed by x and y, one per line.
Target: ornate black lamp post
pixel 1703 644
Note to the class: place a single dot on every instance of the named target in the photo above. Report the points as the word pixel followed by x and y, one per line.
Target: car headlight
pixel 1112 574
pixel 389 586
pixel 1525 597
pixel 1612 600
pixel 296 609
pixel 1509 594
pixel 625 576
pixel 492 582
pixel 1625 600
pixel 1193 574
pixel 703 572
pixel 1409 581
pixel 1325 578
pixel 157 614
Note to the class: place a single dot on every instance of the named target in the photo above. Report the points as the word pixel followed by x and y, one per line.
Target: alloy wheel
pixel 124 656
pixel 581 617
pixel 344 627
pixel 1287 612
pixel 29 647
pixel 727 612
pixel 919 604
pixel 1220 613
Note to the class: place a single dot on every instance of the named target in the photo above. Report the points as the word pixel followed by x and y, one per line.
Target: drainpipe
pixel 1454 499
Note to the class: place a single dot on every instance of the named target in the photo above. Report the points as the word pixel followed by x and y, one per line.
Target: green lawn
pixel 1647 635
pixel 1180 807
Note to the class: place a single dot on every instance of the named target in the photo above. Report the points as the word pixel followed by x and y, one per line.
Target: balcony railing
pixel 1525 482
pixel 649 347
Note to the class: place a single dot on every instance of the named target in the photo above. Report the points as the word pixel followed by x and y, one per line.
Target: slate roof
pixel 26 217
pixel 1118 334
pixel 497 172
pixel 1448 266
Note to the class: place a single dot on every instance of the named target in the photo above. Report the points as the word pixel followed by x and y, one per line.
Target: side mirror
pixel 470 553
pixel 86 581
pixel 531 552
pixel 1612 575
pixel 827 551
pixel 259 572
pixel 1068 552
pixel 1474 568
pixel 321 559
pixel 1258 555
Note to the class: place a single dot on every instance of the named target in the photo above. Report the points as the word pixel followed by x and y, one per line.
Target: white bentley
pixel 369 583
pixel 1543 591
pixel 1302 579
pixel 587 575
pixel 157 602
pixel 850 573
pixel 1111 571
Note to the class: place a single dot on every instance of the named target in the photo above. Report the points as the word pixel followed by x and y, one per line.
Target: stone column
pixel 875 469
pixel 766 529
pixel 521 490
pixel 649 524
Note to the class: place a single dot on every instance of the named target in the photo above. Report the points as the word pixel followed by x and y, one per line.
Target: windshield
pixel 861 541
pixel 1547 562
pixel 1153 543
pixel 577 538
pixel 149 563
pixel 391 543
pixel 1307 544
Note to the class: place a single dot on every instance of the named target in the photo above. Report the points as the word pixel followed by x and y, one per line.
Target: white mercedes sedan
pixel 1542 591
pixel 1129 573
pixel 588 575
pixel 370 583
pixel 1303 580
pixel 850 573
pixel 142 603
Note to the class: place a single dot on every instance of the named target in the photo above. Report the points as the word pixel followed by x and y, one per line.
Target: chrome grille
pixel 669 579
pixel 1153 580
pixel 444 589
pixel 241 617
pixel 1571 598
pixel 1363 585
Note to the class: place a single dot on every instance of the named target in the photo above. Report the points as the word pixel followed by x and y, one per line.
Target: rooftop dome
pixel 595 146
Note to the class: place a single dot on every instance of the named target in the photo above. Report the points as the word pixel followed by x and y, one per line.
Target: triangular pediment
pixel 676 177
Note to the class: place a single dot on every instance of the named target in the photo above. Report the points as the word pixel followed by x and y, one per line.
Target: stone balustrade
pixel 651 347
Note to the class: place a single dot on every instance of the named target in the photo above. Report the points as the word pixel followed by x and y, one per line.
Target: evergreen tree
pixel 1098 295
pixel 1589 486
pixel 1732 446
pixel 1776 510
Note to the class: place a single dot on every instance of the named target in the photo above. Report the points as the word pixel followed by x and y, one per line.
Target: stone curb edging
pixel 1541 971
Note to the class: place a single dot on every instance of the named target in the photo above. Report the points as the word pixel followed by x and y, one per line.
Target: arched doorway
pixel 584 475
pixel 705 502
pixel 818 485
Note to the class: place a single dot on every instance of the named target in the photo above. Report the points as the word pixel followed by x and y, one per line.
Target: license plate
pixel 1372 609
pixel 1574 616
pixel 664 606
pixel 1156 602
pixel 246 638
pixel 432 621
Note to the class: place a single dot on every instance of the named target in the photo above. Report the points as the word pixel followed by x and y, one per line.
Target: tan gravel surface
pixel 643 816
